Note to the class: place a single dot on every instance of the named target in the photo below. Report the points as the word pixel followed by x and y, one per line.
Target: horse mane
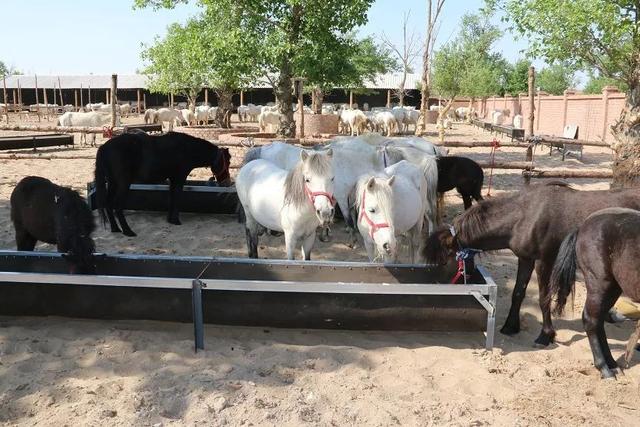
pixel 473 222
pixel 382 192
pixel 253 154
pixel 318 163
pixel 394 155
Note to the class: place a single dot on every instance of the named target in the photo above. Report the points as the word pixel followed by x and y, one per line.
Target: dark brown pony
pixel 606 248
pixel 532 223
pixel 46 212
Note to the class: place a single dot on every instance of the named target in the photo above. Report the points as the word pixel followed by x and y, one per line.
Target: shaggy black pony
pixel 132 157
pixel 463 174
pixel 43 211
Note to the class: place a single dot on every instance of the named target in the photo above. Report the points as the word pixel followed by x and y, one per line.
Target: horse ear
pixel 371 182
pixel 330 152
pixel 304 155
pixel 391 180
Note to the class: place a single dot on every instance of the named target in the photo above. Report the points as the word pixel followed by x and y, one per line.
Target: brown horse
pixel 532 223
pixel 606 248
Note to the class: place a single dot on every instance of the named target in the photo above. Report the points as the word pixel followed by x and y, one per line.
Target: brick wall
pixel 317 124
pixel 594 114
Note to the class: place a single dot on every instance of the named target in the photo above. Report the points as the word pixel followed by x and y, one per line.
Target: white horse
pixel 170 116
pixel 427 164
pixel 188 116
pixel 390 208
pixel 91 119
pixel 296 202
pixel 150 116
pixel 202 114
pixel 268 118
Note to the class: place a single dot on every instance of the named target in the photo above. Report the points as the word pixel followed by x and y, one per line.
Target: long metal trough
pixel 197 197
pixel 35 141
pixel 297 294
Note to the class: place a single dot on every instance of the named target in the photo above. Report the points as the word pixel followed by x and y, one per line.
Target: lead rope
pixel 462 256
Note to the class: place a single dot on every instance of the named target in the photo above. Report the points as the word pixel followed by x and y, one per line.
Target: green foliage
pixel 599 34
pixel 596 83
pixel 7 70
pixel 516 77
pixel 556 78
pixel 206 51
pixel 465 66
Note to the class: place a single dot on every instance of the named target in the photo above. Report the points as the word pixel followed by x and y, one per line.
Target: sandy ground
pixel 77 372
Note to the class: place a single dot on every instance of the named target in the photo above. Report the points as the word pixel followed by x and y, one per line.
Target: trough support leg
pixel 491 317
pixel 198 317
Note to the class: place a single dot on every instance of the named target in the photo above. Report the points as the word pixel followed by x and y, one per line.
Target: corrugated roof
pixel 139 81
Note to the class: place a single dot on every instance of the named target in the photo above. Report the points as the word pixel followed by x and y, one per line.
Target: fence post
pixel 565 102
pixel 605 101
pixel 114 95
pixel 532 83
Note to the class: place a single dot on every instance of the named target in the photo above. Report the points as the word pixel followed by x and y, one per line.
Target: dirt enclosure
pixel 78 372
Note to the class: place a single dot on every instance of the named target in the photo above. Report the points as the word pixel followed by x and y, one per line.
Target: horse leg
pixel 120 198
pixel 251 228
pixel 593 321
pixel 111 192
pixel 525 269
pixel 610 297
pixel 466 199
pixel 291 242
pixel 543 271
pixel 307 246
pixel 175 191
pixel 24 240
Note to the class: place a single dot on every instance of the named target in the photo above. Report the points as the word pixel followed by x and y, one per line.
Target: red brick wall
pixel 594 114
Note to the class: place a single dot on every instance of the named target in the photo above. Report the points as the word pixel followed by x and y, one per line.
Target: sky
pixel 106 36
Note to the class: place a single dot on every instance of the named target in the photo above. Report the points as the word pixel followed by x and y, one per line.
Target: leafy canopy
pixel 587 34
pixel 596 83
pixel 556 78
pixel 466 66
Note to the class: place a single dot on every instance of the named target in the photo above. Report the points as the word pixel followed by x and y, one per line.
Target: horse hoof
pixel 510 330
pixel 129 233
pixel 116 230
pixel 174 222
pixel 544 340
pixel 608 374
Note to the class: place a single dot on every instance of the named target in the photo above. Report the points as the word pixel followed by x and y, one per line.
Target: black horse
pixel 463 174
pixel 133 157
pixel 606 249
pixel 46 212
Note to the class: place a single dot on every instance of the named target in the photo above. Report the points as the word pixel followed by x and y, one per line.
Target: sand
pixel 56 371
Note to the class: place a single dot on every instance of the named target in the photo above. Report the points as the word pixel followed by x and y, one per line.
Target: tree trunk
pixel 225 107
pixel 287 127
pixel 318 96
pixel 626 131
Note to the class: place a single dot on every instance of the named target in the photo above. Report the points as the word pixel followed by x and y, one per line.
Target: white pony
pixel 170 116
pixel 296 202
pixel 150 116
pixel 390 208
pixel 188 116
pixel 268 118
pixel 90 119
pixel 125 110
pixel 202 114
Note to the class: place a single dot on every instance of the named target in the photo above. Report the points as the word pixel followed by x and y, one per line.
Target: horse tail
pixel 101 177
pixel 430 172
pixel 563 275
pixel 253 154
pixel 242 217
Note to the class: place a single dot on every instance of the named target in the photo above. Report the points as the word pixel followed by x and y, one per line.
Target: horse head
pixel 220 167
pixel 441 246
pixel 317 174
pixel 80 255
pixel 375 204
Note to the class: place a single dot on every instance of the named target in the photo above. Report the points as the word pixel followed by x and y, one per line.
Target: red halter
pixel 313 194
pixel 373 227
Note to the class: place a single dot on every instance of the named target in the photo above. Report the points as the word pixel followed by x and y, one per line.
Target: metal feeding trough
pixel 35 141
pixel 292 294
pixel 197 197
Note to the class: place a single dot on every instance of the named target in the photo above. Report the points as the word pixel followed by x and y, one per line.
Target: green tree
pixel 7 70
pixel 207 51
pixel 556 78
pixel 596 83
pixel 466 66
pixel 175 63
pixel 594 34
pixel 516 77
pixel 284 28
